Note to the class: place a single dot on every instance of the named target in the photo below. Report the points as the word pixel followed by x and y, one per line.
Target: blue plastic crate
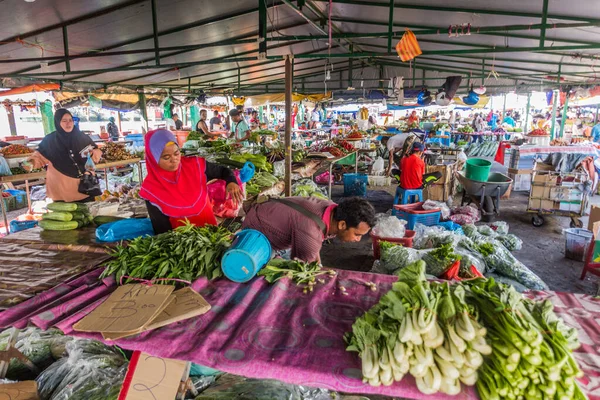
pixel 355 185
pixel 415 214
pixel 20 197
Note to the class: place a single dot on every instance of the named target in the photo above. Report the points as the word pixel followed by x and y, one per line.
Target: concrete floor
pixel 543 248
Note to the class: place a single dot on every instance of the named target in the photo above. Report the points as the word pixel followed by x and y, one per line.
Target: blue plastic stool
pixel 407 196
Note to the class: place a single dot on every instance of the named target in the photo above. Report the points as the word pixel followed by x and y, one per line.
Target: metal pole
pixel 423 81
pixel 262 28
pixel 239 76
pixel 10 112
pixel 556 93
pixel 503 110
pixel 350 72
pixel 483 72
pixel 525 128
pixel 66 48
pixel 596 117
pixel 414 69
pixel 390 27
pixel 288 126
pixel 155 32
pixel 544 18
pixel 564 116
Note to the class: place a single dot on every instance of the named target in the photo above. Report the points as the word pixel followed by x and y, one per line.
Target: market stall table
pixel 18 178
pixel 34 261
pixel 274 331
pixel 115 164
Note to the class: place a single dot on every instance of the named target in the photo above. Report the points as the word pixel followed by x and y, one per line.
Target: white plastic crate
pixel 374 180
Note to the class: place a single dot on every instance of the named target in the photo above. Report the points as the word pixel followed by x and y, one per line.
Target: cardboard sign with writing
pixel 26 390
pixel 128 309
pixel 150 377
pixel 186 304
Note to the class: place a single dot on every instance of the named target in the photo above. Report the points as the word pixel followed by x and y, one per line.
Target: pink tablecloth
pixel 267 331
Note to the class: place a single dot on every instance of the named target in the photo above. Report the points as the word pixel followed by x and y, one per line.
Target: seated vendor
pixel 412 170
pixel 302 224
pixel 175 188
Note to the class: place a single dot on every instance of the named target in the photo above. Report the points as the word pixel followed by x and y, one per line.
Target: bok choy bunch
pixel 422 328
pixel 532 354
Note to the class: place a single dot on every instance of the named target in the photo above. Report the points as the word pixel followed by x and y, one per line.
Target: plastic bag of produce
pixel 223 205
pixel 389 227
pixel 486 230
pixel 434 205
pixel 429 237
pixel 510 241
pixel 4 167
pixel 125 229
pixel 89 364
pixel 440 259
pixel 394 257
pixel 378 167
pixel 500 227
pixel 42 348
pixel 279 168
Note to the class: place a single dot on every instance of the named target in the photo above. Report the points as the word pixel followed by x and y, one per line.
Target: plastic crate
pixel 375 180
pixel 355 185
pixel 406 241
pixel 20 197
pixel 415 214
pixel 10 203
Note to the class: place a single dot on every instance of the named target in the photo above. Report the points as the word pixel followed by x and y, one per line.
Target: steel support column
pixel 12 124
pixel 288 126
pixel 66 48
pixel 556 94
pixel 596 116
pixel 350 72
pixel 525 128
pixel 390 26
pixel 503 110
pixel 544 19
pixel 155 32
pixel 262 28
pixel 564 116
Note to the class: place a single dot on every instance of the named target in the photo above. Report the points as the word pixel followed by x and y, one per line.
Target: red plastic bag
pixel 223 205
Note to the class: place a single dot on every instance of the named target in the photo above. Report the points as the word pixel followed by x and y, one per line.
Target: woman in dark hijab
pixel 63 152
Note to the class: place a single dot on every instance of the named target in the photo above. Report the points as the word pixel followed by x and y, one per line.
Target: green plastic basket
pixel 478 169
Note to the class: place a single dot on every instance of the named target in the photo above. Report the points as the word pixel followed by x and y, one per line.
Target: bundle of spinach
pixel 299 272
pixel 187 252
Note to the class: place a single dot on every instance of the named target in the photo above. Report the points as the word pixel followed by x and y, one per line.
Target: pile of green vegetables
pixel 90 371
pixel 487 148
pixel 302 273
pixel 422 328
pixel 65 217
pixel 187 252
pixel 259 182
pixel 238 161
pixel 478 332
pixel 466 129
pixel 308 188
pixel 440 127
pixel 194 135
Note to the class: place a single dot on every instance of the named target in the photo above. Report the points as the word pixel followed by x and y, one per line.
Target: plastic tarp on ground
pixel 265 331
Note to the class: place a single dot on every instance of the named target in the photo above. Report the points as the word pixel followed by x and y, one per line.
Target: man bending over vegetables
pixel 303 223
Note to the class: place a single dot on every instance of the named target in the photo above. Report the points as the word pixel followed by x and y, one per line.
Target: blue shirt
pixel 239 130
pixel 596 133
pixel 510 121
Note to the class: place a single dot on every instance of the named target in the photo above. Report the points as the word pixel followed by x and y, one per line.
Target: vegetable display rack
pixel 556 193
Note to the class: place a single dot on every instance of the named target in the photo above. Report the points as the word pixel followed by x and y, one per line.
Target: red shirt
pixel 412 170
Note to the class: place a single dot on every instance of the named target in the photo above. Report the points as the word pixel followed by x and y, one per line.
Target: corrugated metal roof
pixel 123 28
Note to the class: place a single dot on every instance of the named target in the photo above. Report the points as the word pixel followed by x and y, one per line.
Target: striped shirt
pixel 287 228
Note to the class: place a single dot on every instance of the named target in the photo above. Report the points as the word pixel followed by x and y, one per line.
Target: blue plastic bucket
pixel 249 252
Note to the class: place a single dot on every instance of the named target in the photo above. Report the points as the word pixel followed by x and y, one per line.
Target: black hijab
pixel 59 146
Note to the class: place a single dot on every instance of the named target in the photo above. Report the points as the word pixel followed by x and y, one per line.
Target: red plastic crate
pixel 415 214
pixel 406 241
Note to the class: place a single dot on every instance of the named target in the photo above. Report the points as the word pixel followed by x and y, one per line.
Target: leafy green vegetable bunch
pixel 299 272
pixel 425 329
pixel 187 252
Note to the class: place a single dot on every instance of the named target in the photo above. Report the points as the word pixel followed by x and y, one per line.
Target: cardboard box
pixel 541 192
pixel 437 192
pixel 594 216
pixel 522 182
pixel 539 204
pixel 561 193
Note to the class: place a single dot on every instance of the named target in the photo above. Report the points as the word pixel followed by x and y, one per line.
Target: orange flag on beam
pixel 408 47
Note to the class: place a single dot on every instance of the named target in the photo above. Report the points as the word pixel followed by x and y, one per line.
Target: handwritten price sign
pixel 127 309
pixel 152 378
pixel 26 390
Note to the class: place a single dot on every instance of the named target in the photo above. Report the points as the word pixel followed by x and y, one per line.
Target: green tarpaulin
pixel 47 117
